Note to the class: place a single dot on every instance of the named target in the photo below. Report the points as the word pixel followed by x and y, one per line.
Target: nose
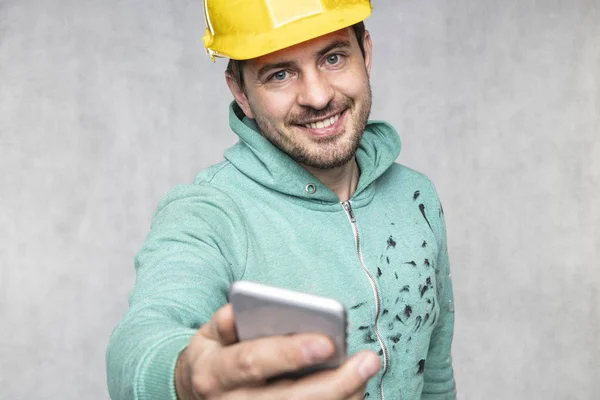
pixel 316 91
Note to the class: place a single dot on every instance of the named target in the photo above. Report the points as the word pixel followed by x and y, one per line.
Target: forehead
pixel 304 49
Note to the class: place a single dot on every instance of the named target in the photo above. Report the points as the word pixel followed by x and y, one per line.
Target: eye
pixel 279 75
pixel 333 59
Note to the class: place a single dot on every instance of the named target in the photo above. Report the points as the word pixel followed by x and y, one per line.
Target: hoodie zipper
pixel 350 213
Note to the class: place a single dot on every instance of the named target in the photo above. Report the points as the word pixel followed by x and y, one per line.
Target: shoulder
pixel 206 183
pixel 205 198
pixel 415 187
pixel 401 176
pixel 214 173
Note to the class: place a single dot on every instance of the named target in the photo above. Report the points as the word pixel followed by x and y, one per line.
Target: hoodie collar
pixel 257 158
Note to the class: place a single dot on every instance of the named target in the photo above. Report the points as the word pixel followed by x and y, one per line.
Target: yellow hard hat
pixel 244 29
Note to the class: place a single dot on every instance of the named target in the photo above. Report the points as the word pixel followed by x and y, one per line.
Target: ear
pixel 238 94
pixel 368 45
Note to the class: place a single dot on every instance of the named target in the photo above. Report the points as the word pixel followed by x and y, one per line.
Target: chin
pixel 329 162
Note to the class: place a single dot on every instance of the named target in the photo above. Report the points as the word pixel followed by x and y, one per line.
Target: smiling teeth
pixel 323 124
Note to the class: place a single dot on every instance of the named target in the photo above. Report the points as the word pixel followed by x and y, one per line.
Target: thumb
pixel 221 327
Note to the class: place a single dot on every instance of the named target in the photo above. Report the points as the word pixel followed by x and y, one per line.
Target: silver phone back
pixel 262 310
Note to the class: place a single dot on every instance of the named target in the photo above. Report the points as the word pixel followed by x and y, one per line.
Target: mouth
pixel 324 123
pixel 325 127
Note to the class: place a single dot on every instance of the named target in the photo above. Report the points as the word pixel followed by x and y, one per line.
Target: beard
pixel 321 153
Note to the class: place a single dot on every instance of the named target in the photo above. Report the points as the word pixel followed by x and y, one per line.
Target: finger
pixel 221 327
pixel 254 361
pixel 346 382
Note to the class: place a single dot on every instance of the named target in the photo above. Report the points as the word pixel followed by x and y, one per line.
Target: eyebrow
pixel 338 44
pixel 288 64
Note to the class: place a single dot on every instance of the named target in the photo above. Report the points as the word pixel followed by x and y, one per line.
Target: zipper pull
pixel 348 207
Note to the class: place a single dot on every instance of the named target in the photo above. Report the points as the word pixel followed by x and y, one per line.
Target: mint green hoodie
pixel 256 217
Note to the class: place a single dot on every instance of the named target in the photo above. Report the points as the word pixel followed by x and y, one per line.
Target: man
pixel 309 199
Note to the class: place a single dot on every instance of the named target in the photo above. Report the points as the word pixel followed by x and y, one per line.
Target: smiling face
pixel 311 100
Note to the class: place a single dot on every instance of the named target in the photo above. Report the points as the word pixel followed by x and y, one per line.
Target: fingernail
pixel 368 365
pixel 317 350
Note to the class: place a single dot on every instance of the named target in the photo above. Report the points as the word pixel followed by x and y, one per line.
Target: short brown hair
pixel 235 67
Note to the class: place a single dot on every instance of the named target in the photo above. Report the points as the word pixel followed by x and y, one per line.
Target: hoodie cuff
pixel 156 374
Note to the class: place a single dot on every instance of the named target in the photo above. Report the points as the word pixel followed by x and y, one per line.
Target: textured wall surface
pixel 106 104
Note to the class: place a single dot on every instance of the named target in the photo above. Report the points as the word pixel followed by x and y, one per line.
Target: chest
pixel 388 249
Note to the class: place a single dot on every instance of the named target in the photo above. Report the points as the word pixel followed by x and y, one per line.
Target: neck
pixel 340 180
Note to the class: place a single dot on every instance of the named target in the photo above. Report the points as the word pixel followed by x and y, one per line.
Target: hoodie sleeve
pixel 196 247
pixel 438 376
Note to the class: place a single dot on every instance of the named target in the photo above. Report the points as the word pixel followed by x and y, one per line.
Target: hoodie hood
pixel 257 158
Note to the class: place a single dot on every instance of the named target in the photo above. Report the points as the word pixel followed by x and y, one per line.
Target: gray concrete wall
pixel 106 104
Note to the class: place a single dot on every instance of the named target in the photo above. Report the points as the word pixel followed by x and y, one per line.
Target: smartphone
pixel 262 310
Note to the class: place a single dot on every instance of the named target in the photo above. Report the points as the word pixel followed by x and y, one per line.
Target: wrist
pixel 181 378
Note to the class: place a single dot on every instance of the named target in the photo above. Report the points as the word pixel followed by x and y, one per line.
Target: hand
pixel 215 366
